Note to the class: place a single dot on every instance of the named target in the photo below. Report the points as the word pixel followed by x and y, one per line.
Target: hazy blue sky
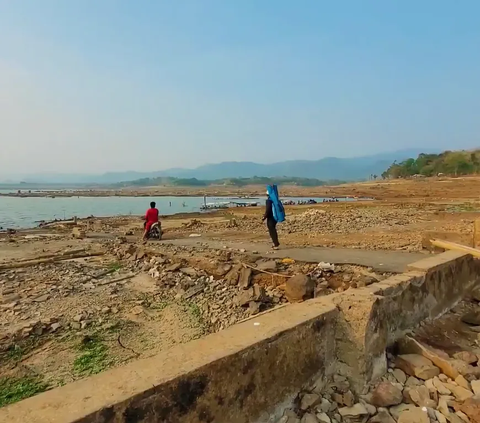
pixel 97 85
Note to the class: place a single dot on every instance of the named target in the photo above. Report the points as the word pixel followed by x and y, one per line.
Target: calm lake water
pixel 26 212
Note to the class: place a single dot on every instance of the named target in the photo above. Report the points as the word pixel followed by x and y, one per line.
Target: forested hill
pixel 452 163
pixel 234 182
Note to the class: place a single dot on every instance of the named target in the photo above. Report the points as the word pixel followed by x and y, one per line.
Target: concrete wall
pixel 252 371
pixel 430 288
pixel 241 374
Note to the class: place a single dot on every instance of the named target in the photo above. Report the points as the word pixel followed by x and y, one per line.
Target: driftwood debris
pixel 59 257
pixel 266 272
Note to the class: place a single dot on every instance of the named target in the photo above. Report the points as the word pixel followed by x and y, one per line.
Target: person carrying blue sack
pixel 274 213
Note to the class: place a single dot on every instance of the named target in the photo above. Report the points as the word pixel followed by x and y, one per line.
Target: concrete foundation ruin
pixel 252 371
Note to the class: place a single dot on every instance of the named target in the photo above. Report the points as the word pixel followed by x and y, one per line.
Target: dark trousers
pixel 272 230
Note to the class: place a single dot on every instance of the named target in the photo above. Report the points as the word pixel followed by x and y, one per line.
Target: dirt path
pixel 387 261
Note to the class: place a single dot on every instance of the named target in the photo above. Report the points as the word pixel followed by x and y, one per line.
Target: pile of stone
pixel 414 390
pixel 228 286
pixel 193 224
pixel 347 221
pixel 10 340
pixel 223 298
pixel 321 221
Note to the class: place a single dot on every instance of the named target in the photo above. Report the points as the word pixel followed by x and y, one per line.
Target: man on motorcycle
pixel 151 217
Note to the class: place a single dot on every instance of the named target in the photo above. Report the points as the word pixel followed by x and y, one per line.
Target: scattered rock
pixel 309 418
pixel 476 387
pixel 137 310
pixel 194 290
pixel 412 381
pixel 400 376
pixel 254 307
pixel 309 400
pixel 173 267
pixel 41 298
pixel 450 367
pixel 420 396
pixel 245 277
pixel 299 288
pixel 358 410
pixel 467 356
pixel 440 417
pixel 383 416
pixel 327 267
pixel 472 318
pixel 323 418
pixel 461 394
pixel 385 395
pixel 440 387
pixel 244 297
pixel 55 326
pixel 414 415
pixel 462 416
pixel 443 406
pixel 417 365
pixel 461 381
pixel 396 410
pixel 348 399
pixel 471 408
pixel 189 271
pixel 267 266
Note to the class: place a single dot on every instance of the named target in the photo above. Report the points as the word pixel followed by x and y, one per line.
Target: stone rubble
pixel 225 287
pixel 227 291
pixel 412 391
pixel 320 221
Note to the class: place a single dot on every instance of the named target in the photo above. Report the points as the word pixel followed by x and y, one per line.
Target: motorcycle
pixel 155 231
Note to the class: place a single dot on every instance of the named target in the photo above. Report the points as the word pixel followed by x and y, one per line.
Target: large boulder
pixel 299 288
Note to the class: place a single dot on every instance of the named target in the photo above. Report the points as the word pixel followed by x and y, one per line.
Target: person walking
pixel 271 222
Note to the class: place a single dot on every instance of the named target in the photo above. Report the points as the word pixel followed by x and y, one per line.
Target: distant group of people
pixel 303 202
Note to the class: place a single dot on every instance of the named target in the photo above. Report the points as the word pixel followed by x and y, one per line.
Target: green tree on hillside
pixel 452 163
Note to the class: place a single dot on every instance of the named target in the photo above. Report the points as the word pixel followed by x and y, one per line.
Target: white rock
pixel 309 418
pixel 475 386
pixel 440 417
pixel 441 388
pixel 323 418
pixel 463 416
pixel 400 376
pixel 356 411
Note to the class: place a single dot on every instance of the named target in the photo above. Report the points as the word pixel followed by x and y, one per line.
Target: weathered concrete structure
pixel 252 371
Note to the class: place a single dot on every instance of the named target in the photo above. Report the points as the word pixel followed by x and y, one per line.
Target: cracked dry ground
pixel 65 320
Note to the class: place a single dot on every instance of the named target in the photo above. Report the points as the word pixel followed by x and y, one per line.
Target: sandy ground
pixel 82 316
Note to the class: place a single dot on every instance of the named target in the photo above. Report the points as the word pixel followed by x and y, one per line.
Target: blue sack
pixel 277 206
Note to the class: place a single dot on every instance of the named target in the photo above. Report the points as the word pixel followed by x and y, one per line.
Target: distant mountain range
pixel 328 168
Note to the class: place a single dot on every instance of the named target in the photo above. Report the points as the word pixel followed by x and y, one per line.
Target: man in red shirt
pixel 151 217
